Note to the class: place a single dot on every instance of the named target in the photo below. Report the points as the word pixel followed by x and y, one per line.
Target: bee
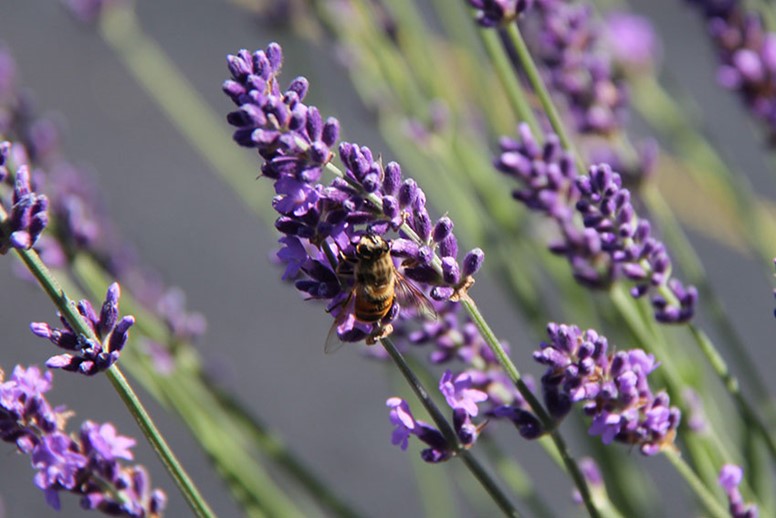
pixel 378 284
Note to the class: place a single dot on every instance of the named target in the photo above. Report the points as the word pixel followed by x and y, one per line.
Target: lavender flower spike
pixel 324 223
pixel 91 356
pixel 606 207
pixel 88 465
pixel 28 214
pixel 612 388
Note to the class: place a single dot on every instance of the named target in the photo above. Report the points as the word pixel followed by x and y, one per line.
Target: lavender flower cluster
pixel 614 242
pixel 747 56
pixel 27 215
pixel 90 356
pixel 612 387
pixel 88 465
pixel 462 397
pixel 322 223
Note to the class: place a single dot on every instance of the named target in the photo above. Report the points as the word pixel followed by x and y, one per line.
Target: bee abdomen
pixel 372 309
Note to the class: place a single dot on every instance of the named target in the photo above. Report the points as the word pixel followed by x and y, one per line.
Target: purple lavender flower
pixel 747 56
pixel 612 241
pixel 606 207
pixel 612 387
pixel 406 425
pixel 323 223
pixel 91 356
pixel 28 214
pixel 567 43
pixel 547 175
pixel 632 40
pixel 460 394
pixel 730 477
pixel 88 465
pixel 495 13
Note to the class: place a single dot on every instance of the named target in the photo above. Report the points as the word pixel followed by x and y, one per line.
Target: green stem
pixel 439 419
pixel 732 386
pixel 705 496
pixel 535 78
pixel 68 310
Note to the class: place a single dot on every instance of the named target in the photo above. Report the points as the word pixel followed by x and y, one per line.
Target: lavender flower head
pixel 88 465
pixel 612 241
pixel 88 356
pixel 632 39
pixel 730 477
pixel 27 216
pixel 612 388
pixel 323 223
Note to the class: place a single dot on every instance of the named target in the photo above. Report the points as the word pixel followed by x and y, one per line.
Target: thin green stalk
pixel 439 419
pixel 68 310
pixel 708 499
pixel 732 386
pixel 535 78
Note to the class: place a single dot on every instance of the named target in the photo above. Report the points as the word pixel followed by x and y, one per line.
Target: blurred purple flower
pixel 632 40
pixel 747 56
pixel 730 477
pixel 495 13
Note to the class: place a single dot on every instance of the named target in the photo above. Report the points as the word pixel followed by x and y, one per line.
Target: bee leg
pixel 378 334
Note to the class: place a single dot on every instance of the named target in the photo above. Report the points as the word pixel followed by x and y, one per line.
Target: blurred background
pixel 263 342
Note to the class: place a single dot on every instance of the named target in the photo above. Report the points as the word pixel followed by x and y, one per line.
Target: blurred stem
pixel 68 310
pixel 439 419
pixel 708 499
pixel 731 384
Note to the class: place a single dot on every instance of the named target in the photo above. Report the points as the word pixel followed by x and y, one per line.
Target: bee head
pixel 371 246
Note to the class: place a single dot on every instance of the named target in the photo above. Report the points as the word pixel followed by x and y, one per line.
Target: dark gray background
pixel 262 338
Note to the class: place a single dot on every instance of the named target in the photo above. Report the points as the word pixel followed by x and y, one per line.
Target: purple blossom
pixel 606 207
pixel 600 233
pixel 323 224
pixel 90 356
pixel 406 425
pixel 459 393
pixel 612 388
pixel 27 216
pixel 547 176
pixel 592 474
pixel 730 477
pixel 632 40
pixel 747 57
pixel 87 465
pixel 495 13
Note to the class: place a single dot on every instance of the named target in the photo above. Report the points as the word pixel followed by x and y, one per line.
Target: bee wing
pixel 410 296
pixel 333 343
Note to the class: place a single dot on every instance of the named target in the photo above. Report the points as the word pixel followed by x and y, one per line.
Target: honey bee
pixel 378 284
